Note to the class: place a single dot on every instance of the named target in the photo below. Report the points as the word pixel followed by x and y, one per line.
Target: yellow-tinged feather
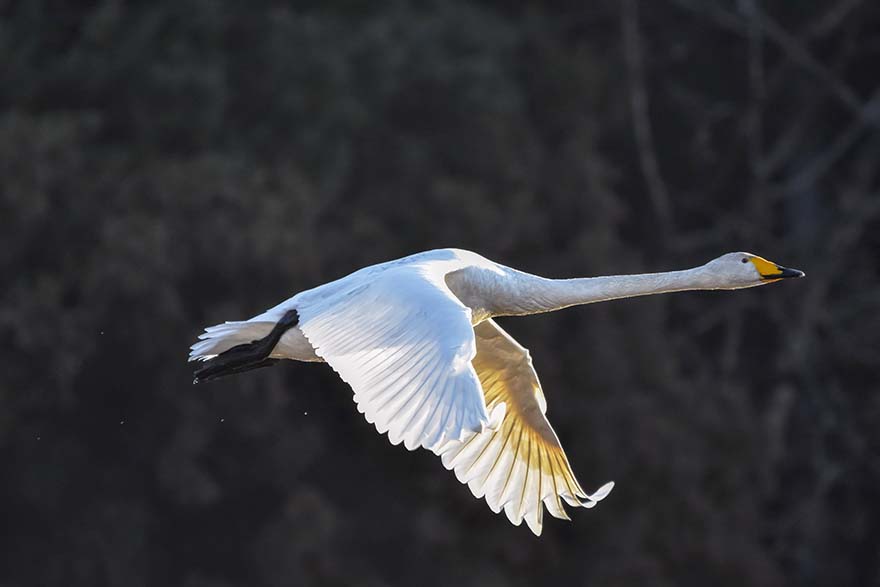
pixel 520 466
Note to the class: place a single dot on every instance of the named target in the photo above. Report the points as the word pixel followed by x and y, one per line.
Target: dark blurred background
pixel 170 165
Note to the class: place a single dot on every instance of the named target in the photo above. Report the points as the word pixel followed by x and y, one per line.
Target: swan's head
pixel 739 270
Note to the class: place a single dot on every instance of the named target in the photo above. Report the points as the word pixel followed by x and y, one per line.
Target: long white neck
pixel 524 293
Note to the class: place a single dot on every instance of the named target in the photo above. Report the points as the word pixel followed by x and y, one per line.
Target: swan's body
pixel 416 341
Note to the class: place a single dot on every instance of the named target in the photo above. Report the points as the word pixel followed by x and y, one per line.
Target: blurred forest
pixel 169 165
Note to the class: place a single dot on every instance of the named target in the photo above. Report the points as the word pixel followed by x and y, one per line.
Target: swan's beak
pixel 772 272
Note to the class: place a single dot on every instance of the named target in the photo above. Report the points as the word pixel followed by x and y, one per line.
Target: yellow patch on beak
pixel 766 268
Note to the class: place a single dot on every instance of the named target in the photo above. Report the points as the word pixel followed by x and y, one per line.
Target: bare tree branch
pixel 632 50
pixel 832 18
pixel 793 48
pixel 820 165
pixel 756 92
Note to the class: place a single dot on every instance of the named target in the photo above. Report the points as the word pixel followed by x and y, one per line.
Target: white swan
pixel 416 340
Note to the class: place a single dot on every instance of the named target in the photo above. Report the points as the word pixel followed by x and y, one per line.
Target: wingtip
pixel 590 501
pixel 602 492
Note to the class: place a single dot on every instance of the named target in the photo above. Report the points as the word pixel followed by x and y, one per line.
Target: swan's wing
pixel 404 344
pixel 519 464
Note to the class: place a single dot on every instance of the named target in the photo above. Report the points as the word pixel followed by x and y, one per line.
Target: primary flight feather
pixel 416 341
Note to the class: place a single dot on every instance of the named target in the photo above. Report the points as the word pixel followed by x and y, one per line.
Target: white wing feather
pixel 404 343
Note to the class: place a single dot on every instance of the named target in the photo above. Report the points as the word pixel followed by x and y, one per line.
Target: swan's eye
pixel 744 260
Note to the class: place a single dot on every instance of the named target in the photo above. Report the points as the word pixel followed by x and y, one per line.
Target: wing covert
pixel 404 344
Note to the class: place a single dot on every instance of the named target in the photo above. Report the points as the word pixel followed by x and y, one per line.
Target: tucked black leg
pixel 247 356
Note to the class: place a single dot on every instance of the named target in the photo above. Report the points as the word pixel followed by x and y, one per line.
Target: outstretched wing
pixel 404 343
pixel 520 464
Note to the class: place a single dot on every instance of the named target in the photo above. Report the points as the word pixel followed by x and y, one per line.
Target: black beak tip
pixel 786 273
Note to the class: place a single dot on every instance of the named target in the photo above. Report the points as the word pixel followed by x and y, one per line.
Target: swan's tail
pixel 222 337
pixel 235 347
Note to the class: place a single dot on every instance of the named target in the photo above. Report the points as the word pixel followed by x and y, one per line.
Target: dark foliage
pixel 169 165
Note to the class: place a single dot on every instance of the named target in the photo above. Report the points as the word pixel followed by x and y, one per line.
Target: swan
pixel 416 339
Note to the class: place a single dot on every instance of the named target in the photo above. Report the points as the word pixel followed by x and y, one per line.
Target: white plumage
pixel 415 340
